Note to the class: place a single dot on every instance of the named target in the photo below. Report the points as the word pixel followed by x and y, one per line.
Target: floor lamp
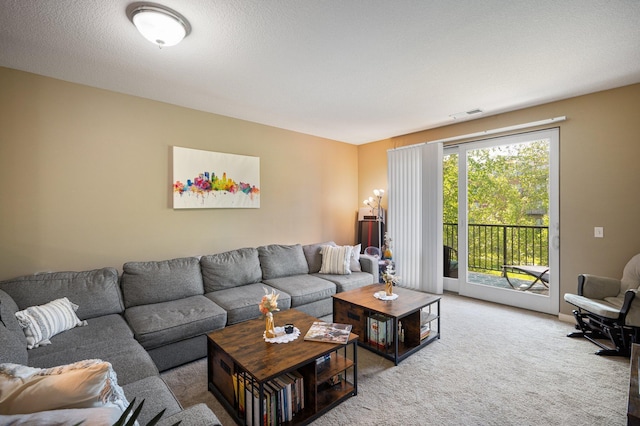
pixel 374 203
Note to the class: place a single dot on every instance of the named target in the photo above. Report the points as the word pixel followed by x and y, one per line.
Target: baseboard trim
pixel 566 318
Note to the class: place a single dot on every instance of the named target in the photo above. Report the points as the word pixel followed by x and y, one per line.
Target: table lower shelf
pixel 404 350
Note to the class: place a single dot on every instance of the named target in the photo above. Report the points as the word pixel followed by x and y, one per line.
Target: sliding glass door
pixel 500 220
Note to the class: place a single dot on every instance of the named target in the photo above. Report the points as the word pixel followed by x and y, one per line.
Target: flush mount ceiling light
pixel 159 25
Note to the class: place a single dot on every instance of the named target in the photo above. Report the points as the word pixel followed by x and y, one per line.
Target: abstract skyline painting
pixel 206 179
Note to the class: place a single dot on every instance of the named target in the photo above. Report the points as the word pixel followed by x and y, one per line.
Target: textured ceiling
pixel 350 70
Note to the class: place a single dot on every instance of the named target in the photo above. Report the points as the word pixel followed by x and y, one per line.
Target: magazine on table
pixel 328 332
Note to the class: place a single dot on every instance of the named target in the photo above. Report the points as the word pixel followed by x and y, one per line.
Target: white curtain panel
pixel 414 215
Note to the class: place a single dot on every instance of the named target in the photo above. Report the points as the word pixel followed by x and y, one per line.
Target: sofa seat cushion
pixel 303 289
pixel 230 269
pixel 157 397
pixel 145 283
pixel 319 309
pixel 167 322
pixel 241 303
pixel 282 261
pixel 195 415
pixel 95 292
pixel 601 308
pixel 108 338
pixel 179 353
pixel 348 282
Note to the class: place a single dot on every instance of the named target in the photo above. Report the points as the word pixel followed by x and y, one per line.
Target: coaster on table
pixel 281 336
pixel 382 295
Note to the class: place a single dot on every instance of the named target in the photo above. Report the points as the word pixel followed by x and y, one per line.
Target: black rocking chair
pixel 608 310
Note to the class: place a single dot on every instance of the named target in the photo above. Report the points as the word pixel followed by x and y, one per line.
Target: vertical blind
pixel 415 215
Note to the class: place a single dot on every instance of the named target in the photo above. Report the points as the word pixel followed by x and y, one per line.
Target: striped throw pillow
pixel 336 260
pixel 41 323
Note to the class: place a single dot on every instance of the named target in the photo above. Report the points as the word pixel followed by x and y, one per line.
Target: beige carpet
pixel 494 365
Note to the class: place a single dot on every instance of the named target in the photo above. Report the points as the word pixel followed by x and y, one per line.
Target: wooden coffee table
pixel 391 328
pixel 239 359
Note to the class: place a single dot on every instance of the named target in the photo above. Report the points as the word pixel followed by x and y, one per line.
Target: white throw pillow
pixel 84 384
pixel 336 260
pixel 355 259
pixel 41 323
pixel 98 416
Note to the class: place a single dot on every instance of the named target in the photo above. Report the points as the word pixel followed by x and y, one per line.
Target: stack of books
pixel 323 362
pixel 426 317
pixel 425 330
pixel 283 398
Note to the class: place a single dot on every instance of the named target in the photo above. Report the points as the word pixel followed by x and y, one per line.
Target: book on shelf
pixel 282 398
pixel 323 359
pixel 425 331
pixel 329 332
pixel 337 379
pixel 379 331
pixel 332 382
pixel 272 410
pixel 239 392
pixel 323 362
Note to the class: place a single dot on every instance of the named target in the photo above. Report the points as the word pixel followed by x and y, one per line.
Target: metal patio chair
pixel 539 273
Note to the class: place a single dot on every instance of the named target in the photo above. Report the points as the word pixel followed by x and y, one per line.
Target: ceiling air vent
pixel 466 114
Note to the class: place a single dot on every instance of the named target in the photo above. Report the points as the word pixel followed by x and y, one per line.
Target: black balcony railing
pixel 491 246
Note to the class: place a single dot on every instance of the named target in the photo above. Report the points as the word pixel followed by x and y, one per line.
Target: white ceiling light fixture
pixel 158 24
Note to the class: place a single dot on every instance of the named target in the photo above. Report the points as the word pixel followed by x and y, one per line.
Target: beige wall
pixel 86 178
pixel 599 176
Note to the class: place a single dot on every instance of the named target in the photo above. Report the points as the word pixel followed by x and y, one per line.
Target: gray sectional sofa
pixel 155 315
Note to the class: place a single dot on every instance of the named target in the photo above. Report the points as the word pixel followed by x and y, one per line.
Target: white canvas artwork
pixel 205 179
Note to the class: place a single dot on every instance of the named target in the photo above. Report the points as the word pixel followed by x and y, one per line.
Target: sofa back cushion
pixel 13 343
pixel 13 348
pixel 95 292
pixel 8 309
pixel 144 283
pixel 282 261
pixel 230 269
